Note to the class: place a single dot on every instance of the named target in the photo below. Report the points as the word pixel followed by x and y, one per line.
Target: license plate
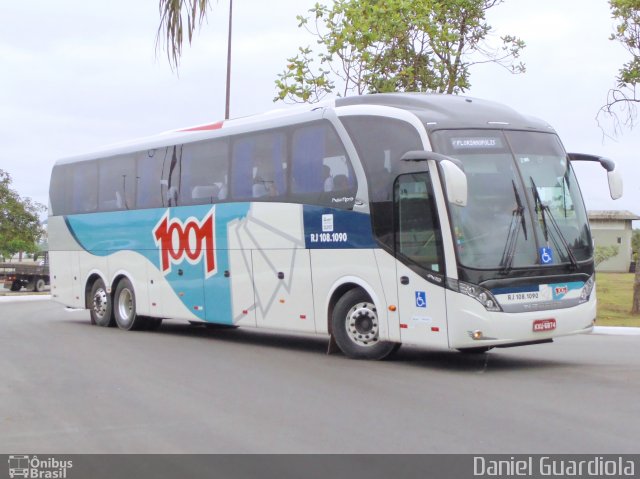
pixel 540 325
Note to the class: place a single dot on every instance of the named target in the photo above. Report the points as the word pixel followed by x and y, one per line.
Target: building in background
pixel 614 228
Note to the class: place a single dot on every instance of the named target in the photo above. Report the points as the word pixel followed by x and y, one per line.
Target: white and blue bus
pixel 378 220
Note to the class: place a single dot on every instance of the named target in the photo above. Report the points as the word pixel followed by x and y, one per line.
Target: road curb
pixel 17 298
pixel 616 331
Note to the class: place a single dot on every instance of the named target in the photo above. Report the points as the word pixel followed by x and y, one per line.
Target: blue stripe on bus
pixel 134 231
pixel 328 228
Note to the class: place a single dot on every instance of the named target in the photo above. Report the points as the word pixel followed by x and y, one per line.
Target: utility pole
pixel 226 111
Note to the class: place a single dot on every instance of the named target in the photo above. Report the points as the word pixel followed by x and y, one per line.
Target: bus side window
pixel 84 187
pixel 149 187
pixel 59 190
pixel 258 167
pixel 321 172
pixel 204 172
pixel 117 183
pixel 418 237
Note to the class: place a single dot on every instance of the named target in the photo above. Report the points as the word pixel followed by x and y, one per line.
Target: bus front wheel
pixel 355 327
pixel 124 307
pixel 100 308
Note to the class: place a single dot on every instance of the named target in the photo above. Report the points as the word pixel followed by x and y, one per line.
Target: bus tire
pixel 39 285
pixel 124 307
pixel 101 307
pixel 355 327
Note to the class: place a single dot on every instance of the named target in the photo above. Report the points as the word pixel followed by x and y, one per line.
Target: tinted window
pixel 418 238
pixel 380 143
pixel 58 189
pixel 117 185
pixel 321 172
pixel 84 187
pixel 258 166
pixel 149 186
pixel 204 169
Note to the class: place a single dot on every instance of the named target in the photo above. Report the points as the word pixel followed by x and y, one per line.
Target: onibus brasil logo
pixel 34 467
pixel 191 240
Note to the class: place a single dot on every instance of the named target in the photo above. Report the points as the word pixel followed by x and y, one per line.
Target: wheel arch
pixel 119 276
pixel 88 285
pixel 344 285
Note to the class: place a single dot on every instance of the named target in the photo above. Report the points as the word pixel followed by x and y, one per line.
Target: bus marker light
pixel 303 316
pixel 404 326
pixel 477 334
pixel 244 311
pixel 282 301
pixel 392 308
pixel 435 329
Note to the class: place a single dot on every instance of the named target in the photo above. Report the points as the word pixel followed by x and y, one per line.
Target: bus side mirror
pixel 615 184
pixel 455 181
pixel 613 174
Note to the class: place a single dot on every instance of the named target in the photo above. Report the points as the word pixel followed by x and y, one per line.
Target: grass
pixel 615 295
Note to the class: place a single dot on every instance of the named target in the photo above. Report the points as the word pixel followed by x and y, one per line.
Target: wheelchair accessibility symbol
pixel 421 299
pixel 546 255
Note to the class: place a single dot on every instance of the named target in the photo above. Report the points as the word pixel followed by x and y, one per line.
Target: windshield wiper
pixel 545 211
pixel 517 221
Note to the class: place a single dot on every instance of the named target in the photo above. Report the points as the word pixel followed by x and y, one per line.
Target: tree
pixel 603 253
pixel 394 45
pixel 20 228
pixel 624 99
pixel 635 245
pixel 174 15
pixel 635 242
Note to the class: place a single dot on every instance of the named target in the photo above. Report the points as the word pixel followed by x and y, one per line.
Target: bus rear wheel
pixel 100 308
pixel 124 307
pixel 355 327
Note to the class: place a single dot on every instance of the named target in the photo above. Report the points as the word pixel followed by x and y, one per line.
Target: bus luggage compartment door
pixel 284 298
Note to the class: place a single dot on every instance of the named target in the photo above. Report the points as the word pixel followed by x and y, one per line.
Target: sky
pixel 77 75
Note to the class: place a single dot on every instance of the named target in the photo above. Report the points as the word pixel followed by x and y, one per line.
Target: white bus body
pixel 351 218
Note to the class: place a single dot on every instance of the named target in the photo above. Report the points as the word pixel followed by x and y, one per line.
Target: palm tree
pixel 173 16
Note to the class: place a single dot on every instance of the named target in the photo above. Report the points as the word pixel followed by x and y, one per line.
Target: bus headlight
pixel 483 296
pixel 587 289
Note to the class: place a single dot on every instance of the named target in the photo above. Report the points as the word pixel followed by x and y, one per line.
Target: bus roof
pixel 439 111
pixel 435 111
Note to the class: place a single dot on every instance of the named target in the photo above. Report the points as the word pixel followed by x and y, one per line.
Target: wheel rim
pixel 100 303
pixel 362 324
pixel 125 305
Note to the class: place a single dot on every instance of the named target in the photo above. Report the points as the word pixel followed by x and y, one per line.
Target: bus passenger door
pixel 420 262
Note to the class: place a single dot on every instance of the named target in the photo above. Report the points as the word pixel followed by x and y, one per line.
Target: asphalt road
pixel 69 387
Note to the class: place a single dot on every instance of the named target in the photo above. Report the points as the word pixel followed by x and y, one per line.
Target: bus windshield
pixel 524 206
